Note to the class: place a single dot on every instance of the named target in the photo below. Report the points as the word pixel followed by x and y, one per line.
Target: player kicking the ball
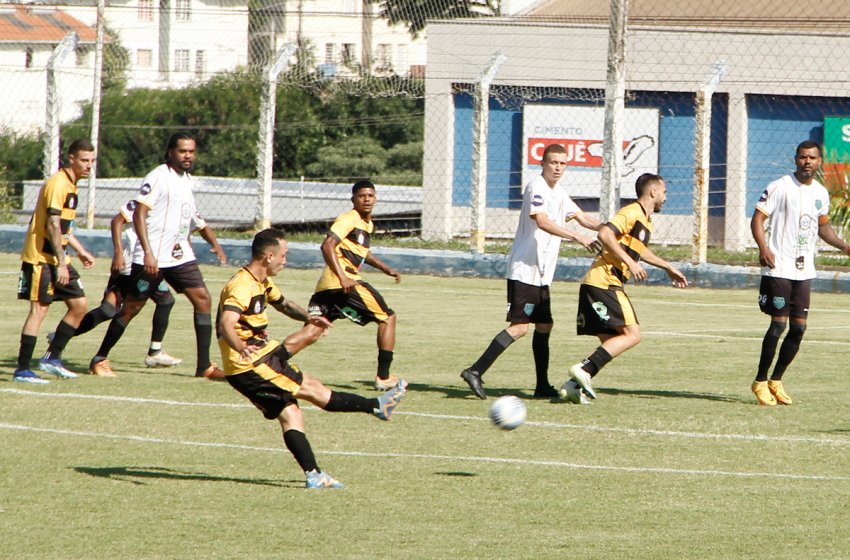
pixel 259 367
pixel 604 309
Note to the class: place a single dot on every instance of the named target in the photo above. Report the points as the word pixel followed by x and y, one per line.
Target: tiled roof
pixel 39 25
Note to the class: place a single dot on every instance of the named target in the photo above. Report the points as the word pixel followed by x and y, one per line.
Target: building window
pixel 384 56
pixel 329 53
pixel 144 58
pixel 348 54
pixel 28 57
pixel 200 63
pixel 181 60
pixel 81 55
pixel 183 10
pixel 145 10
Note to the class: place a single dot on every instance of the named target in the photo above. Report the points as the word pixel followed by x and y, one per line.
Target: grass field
pixel 674 460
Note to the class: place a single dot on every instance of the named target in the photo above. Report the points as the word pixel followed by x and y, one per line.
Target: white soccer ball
pixel 571 392
pixel 508 412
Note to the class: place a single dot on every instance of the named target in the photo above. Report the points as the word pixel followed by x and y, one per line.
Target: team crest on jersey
pixel 360 238
pixel 642 235
pixel 131 206
pixel 142 286
pixel 71 201
pixel 537 200
pixel 601 310
pixel 778 302
pixel 258 307
pixel 528 308
pixel 818 204
pixel 763 197
pixel 145 190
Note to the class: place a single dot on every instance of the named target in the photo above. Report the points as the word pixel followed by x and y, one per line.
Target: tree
pixel 416 13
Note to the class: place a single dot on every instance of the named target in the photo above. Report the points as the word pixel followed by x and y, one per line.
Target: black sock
pixel 25 353
pixel 160 321
pixel 300 448
pixel 596 361
pixel 540 349
pixel 385 359
pixel 349 402
pixel 788 350
pixel 203 335
pixel 63 334
pixel 768 348
pixel 112 336
pixel 104 312
pixel 499 344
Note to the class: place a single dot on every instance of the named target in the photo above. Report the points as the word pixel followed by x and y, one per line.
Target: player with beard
pixel 604 309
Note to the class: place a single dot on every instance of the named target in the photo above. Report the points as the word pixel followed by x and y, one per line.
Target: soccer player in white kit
pixel 546 208
pixel 796 207
pixel 164 218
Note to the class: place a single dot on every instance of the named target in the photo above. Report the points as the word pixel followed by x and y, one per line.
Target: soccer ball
pixel 573 393
pixel 508 412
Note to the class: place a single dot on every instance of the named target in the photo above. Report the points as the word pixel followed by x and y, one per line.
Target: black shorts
pixel 362 305
pixel 38 283
pixel 528 304
pixel 780 297
pixel 185 276
pixel 120 284
pixel 603 311
pixel 271 385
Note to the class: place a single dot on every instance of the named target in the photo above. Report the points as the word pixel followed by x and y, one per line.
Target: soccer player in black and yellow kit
pixel 604 309
pixel 258 366
pixel 341 292
pixel 46 271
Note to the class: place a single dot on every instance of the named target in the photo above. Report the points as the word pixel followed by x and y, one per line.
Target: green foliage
pixel 223 115
pixel 416 13
pixel 116 60
pixel 357 156
pixel 20 156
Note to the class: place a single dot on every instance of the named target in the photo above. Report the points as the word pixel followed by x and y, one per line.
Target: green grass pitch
pixel 674 460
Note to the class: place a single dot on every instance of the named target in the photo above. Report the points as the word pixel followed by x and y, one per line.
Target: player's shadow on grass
pixel 647 393
pixel 137 475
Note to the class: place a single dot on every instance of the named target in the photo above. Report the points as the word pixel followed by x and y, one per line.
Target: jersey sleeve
pixel 343 225
pixel 537 196
pixel 769 199
pixel 235 297
pixel 54 197
pixel 571 208
pixel 150 191
pixel 128 210
pixel 622 222
pixel 273 294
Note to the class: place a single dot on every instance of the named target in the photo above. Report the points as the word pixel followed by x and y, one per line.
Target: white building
pixel 28 36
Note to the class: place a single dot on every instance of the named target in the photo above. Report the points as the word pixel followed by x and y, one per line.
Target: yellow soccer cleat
pixel 101 369
pixel 778 391
pixel 763 394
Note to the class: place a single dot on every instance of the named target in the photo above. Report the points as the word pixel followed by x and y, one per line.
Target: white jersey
pixel 534 254
pixel 795 211
pixel 129 239
pixel 172 216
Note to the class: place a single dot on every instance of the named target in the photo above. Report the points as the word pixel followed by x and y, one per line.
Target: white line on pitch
pixel 434 457
pixel 742 338
pixel 556 425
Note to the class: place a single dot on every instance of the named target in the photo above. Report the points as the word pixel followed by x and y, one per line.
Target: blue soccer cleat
pixel 319 480
pixel 54 366
pixel 28 376
pixel 389 400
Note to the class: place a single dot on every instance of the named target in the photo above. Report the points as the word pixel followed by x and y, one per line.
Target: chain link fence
pixel 293 100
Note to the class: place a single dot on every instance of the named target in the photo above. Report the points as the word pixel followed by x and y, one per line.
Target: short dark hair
pixel 362 184
pixel 265 240
pixel 808 145
pixel 174 139
pixel 80 145
pixel 553 149
pixel 644 181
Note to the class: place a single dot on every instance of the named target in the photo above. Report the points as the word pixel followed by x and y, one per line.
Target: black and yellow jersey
pixel 354 234
pixel 249 297
pixel 58 197
pixel 633 228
